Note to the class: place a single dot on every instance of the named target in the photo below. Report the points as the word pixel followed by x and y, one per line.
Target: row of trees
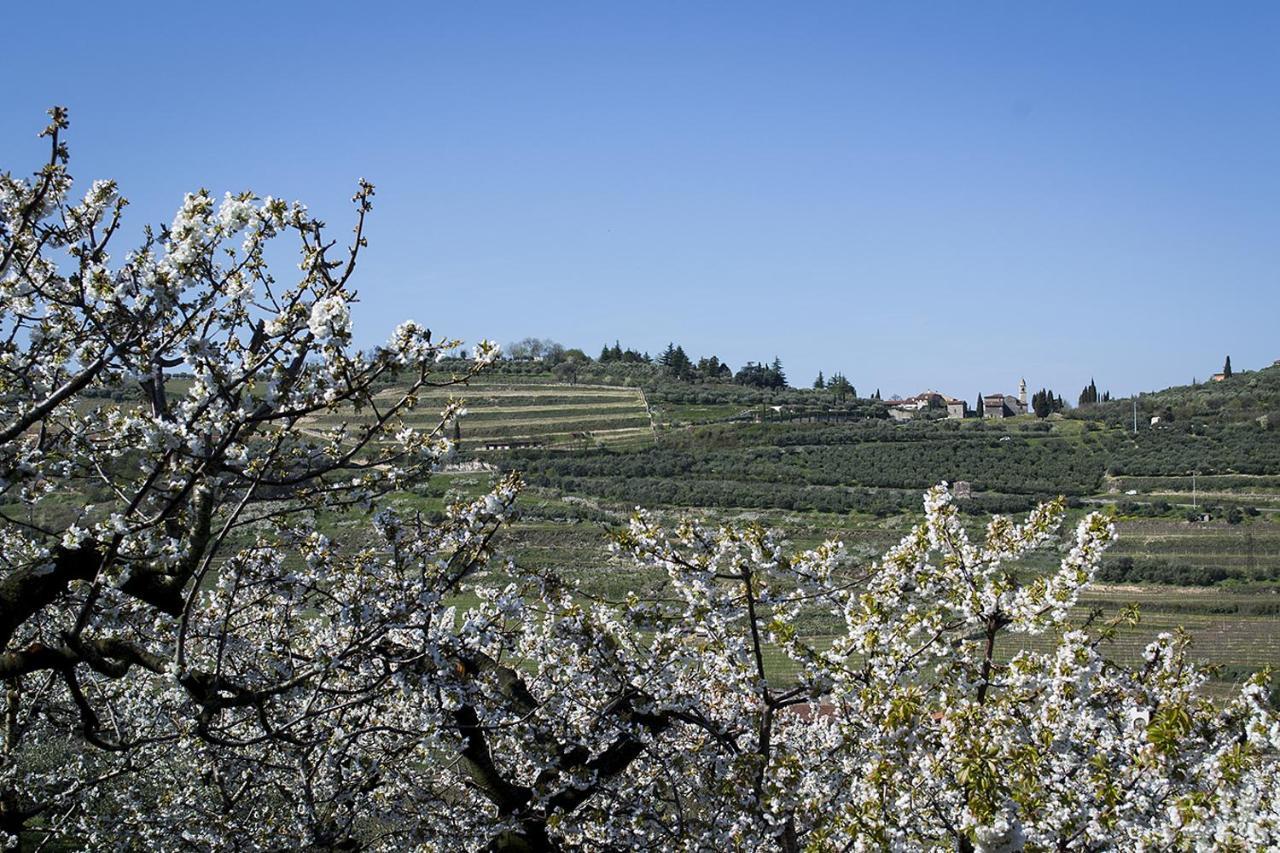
pixel 839 385
pixel 1045 403
pixel 675 363
pixel 1089 396
pixel 616 353
pixel 195 664
pixel 892 456
pixel 762 375
pixel 543 349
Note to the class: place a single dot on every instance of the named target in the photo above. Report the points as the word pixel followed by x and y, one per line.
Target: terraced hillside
pixel 1196 501
pixel 503 413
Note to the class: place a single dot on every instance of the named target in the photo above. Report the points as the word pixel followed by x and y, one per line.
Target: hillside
pixel 860 480
pixel 1245 396
pixel 1195 496
pixel 529 411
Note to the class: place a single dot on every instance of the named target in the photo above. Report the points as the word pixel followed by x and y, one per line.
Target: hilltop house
pixel 1005 405
pixel 903 410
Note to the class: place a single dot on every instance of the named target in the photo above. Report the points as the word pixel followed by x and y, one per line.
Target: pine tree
pixel 819 383
pixel 779 378
pixel 678 364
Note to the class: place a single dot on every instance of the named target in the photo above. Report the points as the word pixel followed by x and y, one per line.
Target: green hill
pixel 799 461
pixel 1244 396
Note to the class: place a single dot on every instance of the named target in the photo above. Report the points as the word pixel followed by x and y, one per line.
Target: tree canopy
pixel 1044 403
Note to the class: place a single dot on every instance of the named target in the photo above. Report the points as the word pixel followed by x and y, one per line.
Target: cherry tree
pixel 218 632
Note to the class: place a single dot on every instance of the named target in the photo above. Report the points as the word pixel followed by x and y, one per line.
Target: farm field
pixel 531 413
pixel 861 483
pixel 1236 630
pixel 591 453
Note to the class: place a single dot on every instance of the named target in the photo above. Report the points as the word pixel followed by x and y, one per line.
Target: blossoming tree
pixel 190 662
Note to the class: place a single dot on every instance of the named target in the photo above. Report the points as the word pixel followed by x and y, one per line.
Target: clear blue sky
pixel 931 195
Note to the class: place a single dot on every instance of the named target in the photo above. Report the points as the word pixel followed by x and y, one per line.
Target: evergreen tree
pixel 1226 368
pixel 819 383
pixel 1040 403
pixel 1089 395
pixel 678 364
pixel 709 367
pixel 978 408
pixel 841 387
pixel 1044 402
pixel 761 376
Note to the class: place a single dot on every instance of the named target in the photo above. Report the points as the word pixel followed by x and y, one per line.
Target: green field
pixel 861 482
pixel 1198 553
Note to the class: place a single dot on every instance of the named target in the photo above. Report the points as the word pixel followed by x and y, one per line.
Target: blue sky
pixel 929 195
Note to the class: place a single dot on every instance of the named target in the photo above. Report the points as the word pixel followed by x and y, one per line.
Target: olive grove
pixel 197 659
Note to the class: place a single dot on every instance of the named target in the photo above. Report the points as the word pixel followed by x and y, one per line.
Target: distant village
pixel 994 406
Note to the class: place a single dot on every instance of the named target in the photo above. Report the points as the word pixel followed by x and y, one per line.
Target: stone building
pixel 1005 405
pixel 903 410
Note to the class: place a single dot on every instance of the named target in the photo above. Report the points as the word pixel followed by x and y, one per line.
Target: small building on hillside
pixel 1218 377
